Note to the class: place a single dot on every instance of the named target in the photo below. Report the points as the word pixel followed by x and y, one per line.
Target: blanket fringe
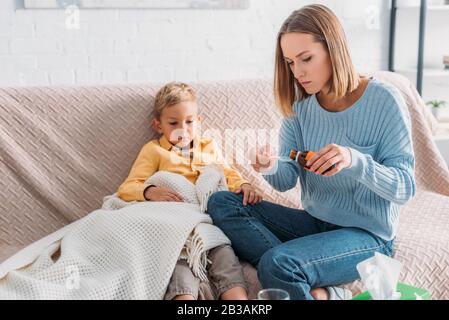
pixel 197 257
pixel 204 199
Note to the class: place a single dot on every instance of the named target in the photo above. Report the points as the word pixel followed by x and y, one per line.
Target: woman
pixel 361 126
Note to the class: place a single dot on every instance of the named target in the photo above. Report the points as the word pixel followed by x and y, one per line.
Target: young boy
pixel 181 150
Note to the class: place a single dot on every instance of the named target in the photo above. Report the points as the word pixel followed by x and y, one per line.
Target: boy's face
pixel 179 123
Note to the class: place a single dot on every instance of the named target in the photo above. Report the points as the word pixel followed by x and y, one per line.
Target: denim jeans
pixel 291 249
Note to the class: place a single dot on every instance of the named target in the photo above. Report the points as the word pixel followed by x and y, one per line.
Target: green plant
pixel 437 103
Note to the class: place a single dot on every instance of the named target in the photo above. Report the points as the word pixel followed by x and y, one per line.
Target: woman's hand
pixel 160 194
pixel 327 157
pixel 265 159
pixel 250 195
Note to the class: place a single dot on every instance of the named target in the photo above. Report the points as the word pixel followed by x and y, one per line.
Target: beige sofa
pixel 63 149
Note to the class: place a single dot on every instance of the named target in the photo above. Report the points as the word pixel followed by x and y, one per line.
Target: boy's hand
pixel 160 194
pixel 250 195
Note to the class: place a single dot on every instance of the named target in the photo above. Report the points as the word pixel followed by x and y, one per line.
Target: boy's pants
pixel 224 271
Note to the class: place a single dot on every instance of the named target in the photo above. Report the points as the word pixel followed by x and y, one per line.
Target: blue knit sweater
pixel 377 131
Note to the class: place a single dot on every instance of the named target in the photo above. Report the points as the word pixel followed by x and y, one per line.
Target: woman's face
pixel 309 61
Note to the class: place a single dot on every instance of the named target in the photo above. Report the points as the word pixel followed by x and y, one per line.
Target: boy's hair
pixel 172 94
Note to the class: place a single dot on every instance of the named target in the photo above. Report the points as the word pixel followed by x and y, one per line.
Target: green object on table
pixel 407 293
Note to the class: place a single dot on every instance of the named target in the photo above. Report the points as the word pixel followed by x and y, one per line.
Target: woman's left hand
pixel 327 157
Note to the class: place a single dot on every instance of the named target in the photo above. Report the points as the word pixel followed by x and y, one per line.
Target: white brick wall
pixel 130 46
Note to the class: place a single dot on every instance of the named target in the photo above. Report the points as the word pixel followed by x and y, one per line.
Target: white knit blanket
pixel 126 253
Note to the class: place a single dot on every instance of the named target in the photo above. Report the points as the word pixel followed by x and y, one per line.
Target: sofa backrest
pixel 63 149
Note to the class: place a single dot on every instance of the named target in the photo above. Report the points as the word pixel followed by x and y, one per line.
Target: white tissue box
pixel 407 293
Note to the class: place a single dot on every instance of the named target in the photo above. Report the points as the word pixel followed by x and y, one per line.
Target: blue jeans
pixel 291 249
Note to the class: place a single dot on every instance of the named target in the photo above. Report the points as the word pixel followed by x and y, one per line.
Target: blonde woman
pixel 362 173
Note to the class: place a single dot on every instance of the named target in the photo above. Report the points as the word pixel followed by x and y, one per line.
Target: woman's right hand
pixel 160 194
pixel 265 159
